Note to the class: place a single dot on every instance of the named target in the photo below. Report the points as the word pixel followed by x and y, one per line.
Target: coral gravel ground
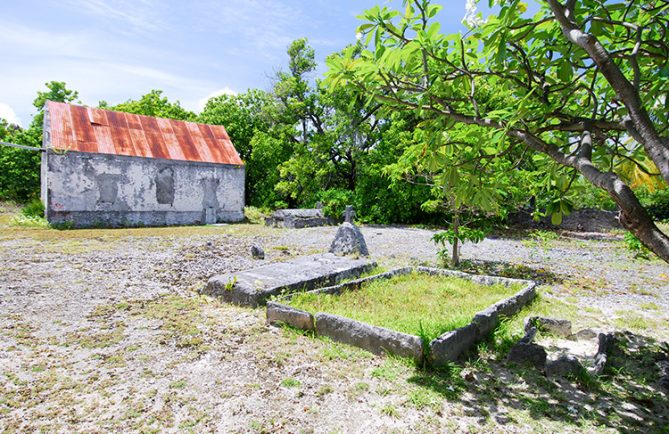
pixel 103 330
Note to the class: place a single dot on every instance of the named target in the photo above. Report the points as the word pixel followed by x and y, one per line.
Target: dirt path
pixel 102 330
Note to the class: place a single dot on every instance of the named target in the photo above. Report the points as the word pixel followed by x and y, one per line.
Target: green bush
pixel 656 203
pixel 635 246
pixel 19 174
pixel 334 201
pixel 34 208
pixel 254 215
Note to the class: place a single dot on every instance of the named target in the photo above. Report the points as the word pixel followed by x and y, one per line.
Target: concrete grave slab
pixel 253 287
pixel 298 218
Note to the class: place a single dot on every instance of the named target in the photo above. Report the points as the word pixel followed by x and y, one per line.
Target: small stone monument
pixel 349 239
pixel 349 214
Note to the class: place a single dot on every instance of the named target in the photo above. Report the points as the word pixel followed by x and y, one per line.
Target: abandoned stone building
pixel 106 168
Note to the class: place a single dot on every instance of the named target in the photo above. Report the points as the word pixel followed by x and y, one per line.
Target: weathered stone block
pixel 528 355
pixel 585 334
pixel 604 345
pixel 377 340
pixel 486 321
pixel 349 241
pixel 297 218
pixel 558 327
pixel 565 365
pixel 257 252
pixel 280 313
pixel 450 346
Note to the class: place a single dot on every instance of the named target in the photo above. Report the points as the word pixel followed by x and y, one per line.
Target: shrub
pixel 635 246
pixel 254 215
pixel 334 201
pixel 34 208
pixel 656 203
pixel 19 174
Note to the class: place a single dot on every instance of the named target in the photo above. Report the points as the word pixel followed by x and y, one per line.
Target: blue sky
pixel 120 49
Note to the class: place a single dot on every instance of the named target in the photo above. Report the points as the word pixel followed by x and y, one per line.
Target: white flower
pixel 358 36
pixel 470 18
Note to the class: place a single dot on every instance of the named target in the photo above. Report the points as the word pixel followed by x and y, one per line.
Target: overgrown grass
pixel 254 215
pixel 415 303
pixel 23 221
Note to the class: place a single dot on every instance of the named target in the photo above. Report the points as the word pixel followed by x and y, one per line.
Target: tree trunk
pixel 633 215
pixel 455 257
pixel 351 176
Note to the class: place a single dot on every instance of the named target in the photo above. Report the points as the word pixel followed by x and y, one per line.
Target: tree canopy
pixel 581 87
pixel 152 104
pixel 19 168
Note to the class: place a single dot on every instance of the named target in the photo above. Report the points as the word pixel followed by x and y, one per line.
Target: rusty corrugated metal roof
pixel 87 129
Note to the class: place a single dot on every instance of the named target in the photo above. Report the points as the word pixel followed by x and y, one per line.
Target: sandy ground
pixel 103 330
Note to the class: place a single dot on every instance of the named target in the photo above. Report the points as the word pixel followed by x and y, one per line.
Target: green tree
pixel 152 104
pixel 331 131
pixel 571 84
pixel 468 184
pixel 383 192
pixel 267 153
pixel 241 115
pixel 19 168
pixel 5 129
pixel 56 91
pixel 244 116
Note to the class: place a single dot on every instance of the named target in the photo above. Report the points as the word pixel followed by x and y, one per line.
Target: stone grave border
pixel 379 340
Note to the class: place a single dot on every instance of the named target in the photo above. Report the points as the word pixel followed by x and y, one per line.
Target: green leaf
pixel 433 30
pixel 433 10
pixel 565 71
pixel 664 71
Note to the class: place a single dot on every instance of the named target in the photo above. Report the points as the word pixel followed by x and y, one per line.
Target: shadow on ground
pixel 627 397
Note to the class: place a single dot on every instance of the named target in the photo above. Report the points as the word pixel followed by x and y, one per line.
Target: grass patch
pixel 407 303
pixel 24 221
pixel 180 317
pixel 41 231
pixel 290 382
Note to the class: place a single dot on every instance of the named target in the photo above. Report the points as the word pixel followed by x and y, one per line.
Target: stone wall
pixel 88 189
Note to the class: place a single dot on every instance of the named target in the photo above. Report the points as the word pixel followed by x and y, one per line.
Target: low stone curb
pixel 450 346
pixel 447 348
pixel 377 340
pixel 281 313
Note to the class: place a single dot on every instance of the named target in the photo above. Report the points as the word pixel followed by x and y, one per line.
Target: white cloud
pixel 100 68
pixel 140 15
pixel 29 40
pixel 224 91
pixel 7 113
pixel 259 27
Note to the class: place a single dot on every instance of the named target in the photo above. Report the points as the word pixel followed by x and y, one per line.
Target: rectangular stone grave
pixel 253 287
pixel 298 218
pixel 446 348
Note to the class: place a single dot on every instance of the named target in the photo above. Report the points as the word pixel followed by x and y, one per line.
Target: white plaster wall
pixel 110 185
